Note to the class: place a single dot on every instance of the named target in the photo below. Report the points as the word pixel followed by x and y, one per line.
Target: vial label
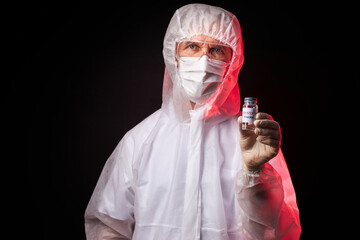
pixel 248 115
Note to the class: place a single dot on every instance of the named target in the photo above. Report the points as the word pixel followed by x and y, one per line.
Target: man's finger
pixel 266 123
pixel 262 115
pixel 269 141
pixel 271 133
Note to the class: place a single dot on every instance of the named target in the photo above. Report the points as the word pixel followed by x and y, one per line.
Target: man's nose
pixel 205 51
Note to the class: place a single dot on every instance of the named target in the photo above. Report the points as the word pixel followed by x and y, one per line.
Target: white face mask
pixel 200 77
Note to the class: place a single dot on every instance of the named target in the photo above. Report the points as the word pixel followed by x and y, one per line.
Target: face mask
pixel 200 77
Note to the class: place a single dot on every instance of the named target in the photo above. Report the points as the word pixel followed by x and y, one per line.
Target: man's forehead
pixel 204 38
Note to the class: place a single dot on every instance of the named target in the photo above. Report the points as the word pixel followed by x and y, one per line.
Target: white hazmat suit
pixel 177 175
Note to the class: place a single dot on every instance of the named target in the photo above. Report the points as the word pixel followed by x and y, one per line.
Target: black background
pixel 86 73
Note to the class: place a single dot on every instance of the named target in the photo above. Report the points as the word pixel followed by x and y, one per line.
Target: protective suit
pixel 177 175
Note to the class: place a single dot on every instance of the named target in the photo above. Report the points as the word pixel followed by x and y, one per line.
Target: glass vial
pixel 250 108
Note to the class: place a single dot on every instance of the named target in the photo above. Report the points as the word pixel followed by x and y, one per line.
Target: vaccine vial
pixel 250 108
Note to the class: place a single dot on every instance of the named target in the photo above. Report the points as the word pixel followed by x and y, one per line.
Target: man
pixel 189 171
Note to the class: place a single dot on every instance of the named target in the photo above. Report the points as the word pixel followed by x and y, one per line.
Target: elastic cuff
pixel 255 173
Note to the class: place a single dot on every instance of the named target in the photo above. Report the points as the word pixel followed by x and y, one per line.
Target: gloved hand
pixel 261 145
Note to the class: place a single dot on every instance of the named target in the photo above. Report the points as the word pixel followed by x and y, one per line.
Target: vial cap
pixel 250 99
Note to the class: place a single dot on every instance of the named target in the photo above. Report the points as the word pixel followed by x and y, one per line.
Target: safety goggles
pixel 194 48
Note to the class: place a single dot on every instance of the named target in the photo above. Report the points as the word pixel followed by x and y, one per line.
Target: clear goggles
pixel 195 48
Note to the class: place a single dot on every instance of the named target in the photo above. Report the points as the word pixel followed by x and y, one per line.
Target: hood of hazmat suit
pixel 177 175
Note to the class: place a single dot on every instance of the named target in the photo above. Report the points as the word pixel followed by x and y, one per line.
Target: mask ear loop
pixel 177 57
pixel 228 65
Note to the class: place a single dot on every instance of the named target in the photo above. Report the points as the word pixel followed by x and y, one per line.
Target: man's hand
pixel 261 145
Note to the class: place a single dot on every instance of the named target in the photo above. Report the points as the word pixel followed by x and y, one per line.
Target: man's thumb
pixel 244 133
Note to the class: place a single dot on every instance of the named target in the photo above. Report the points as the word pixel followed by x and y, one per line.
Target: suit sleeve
pixel 110 211
pixel 267 201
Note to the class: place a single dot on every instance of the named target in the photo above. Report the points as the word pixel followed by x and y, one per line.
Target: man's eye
pixel 192 46
pixel 216 50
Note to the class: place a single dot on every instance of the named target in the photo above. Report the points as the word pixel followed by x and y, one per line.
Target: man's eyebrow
pixel 187 43
pixel 201 43
pixel 219 46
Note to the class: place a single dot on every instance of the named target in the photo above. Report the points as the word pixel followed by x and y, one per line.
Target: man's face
pixel 200 45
